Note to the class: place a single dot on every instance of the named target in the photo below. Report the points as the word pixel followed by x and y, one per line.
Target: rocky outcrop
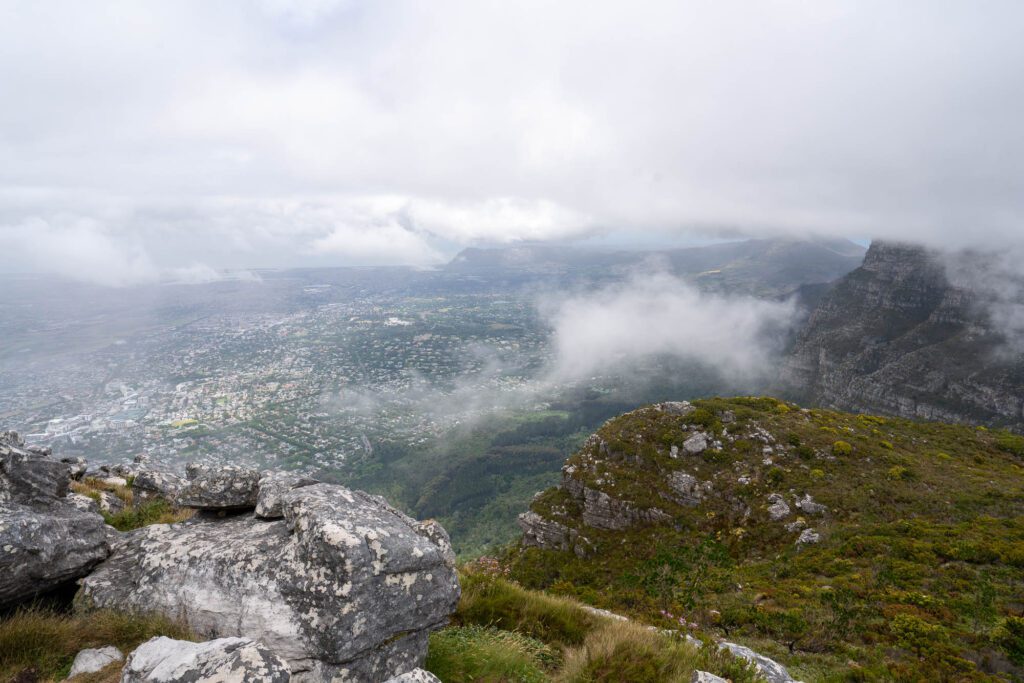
pixel 150 482
pixel 770 670
pixel 272 488
pixel 415 676
pixel 45 540
pixel 95 659
pixel 164 660
pixel 539 532
pixel 343 586
pixel 223 487
pixel 912 333
pixel 706 677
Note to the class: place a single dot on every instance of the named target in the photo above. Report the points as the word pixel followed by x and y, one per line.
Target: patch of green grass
pixel 48 642
pixel 154 511
pixel 465 654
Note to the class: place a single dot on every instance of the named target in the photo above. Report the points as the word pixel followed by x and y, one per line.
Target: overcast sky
pixel 137 137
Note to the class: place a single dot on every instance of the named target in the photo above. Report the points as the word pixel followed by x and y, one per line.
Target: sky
pixel 145 139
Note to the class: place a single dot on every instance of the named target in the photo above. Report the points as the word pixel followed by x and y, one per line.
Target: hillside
pixel 900 336
pixel 849 547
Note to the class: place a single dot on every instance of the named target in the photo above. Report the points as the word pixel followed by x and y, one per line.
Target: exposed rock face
pixel 602 511
pixel 687 489
pixel 272 487
pixel 904 334
pixel 150 482
pixel 770 670
pixel 808 537
pixel 164 660
pixel 539 532
pixel 706 677
pixel 224 487
pixel 344 587
pixel 415 676
pixel 777 508
pixel 45 540
pixel 808 505
pixel 94 659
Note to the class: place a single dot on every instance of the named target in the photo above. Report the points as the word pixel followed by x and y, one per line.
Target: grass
pixel 919 567
pixel 135 514
pixel 47 642
pixel 502 632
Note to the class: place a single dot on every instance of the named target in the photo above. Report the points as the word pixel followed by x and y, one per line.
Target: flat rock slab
pixel 226 660
pixel 225 487
pixel 344 586
pixel 95 659
pixel 273 486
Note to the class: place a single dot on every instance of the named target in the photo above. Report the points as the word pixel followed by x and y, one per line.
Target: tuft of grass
pixel 490 601
pixel 154 511
pixel 461 654
pixel 48 641
pixel 627 651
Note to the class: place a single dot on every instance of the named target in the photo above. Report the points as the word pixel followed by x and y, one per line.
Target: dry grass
pixel 135 514
pixel 48 642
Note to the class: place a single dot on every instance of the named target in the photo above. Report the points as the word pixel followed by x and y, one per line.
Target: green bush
pixel 1010 637
pixel 841 448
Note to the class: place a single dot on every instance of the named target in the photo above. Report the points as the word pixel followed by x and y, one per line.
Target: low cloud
pixel 657 315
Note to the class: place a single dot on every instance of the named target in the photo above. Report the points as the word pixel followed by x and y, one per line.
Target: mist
pixel 657 315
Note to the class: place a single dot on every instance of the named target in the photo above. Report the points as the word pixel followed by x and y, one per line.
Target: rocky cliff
pixel 910 333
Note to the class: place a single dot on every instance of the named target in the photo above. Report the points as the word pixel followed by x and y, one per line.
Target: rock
pixel 539 532
pixel 343 586
pixel 777 508
pixel 770 670
pixel 687 489
pixel 415 676
pixel 681 408
pixel 110 503
pixel 808 537
pixel 45 539
pixel 272 486
pixel 114 481
pixel 83 503
pixel 77 467
pixel 706 677
pixel 225 487
pixel 696 444
pixel 808 505
pixel 149 483
pixel 164 660
pixel 673 452
pixel 95 659
pixel 602 511
pixel 795 526
pixel 28 477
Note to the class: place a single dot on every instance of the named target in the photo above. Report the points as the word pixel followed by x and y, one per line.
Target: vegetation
pixel 919 569
pixel 135 514
pixel 503 632
pixel 46 642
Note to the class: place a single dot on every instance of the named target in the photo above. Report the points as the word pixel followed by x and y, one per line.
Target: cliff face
pixel 897 336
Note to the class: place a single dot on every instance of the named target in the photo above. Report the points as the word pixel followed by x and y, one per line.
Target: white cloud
pixel 178 126
pixel 659 315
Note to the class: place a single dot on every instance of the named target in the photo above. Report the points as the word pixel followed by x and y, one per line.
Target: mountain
pixel 770 268
pixel 901 335
pixel 849 547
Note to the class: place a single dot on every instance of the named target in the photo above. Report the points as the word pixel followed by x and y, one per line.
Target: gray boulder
pixel 808 537
pixel 696 444
pixel 706 677
pixel 343 587
pixel 83 503
pixel 95 659
pixel 164 660
pixel 272 487
pixel 45 540
pixel 778 510
pixel 415 676
pixel 769 669
pixel 77 467
pixel 150 483
pixel 223 487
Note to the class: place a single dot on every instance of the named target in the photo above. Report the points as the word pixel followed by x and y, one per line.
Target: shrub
pixel 1011 443
pixel 917 635
pixel 155 511
pixel 1010 637
pixel 841 448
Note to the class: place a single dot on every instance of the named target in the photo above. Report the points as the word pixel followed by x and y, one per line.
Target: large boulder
pixel 344 586
pixel 272 487
pixel 155 483
pixel 164 660
pixel 219 487
pixel 45 540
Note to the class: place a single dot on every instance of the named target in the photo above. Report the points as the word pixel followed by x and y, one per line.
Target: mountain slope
pixel 897 336
pixel 769 268
pixel 882 546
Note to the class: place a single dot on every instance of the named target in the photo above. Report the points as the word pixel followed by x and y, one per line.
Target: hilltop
pixel 849 547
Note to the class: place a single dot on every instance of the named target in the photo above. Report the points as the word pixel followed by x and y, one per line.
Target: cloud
pixel 655 315
pixel 178 127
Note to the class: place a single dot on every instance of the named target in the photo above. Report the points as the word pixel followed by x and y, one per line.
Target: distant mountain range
pixel 768 268
pixel 900 335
